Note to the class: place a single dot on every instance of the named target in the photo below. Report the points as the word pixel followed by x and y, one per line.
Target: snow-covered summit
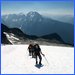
pixel 34 16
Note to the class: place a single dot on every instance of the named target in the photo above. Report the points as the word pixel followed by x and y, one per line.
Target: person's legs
pixel 40 59
pixel 32 54
pixel 29 53
pixel 36 59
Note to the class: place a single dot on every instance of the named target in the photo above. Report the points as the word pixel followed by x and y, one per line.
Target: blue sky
pixel 43 7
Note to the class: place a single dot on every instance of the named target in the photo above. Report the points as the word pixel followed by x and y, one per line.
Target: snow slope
pixel 15 60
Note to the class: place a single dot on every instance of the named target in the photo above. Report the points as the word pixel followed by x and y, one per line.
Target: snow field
pixel 15 60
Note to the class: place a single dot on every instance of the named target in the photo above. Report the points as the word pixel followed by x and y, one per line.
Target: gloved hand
pixel 43 54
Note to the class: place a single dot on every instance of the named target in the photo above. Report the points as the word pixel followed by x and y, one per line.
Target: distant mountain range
pixel 35 24
pixel 63 18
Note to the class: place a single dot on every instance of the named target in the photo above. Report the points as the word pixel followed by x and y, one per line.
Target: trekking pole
pixel 48 65
pixel 46 60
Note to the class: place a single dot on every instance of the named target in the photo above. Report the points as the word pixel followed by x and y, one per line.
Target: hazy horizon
pixel 46 8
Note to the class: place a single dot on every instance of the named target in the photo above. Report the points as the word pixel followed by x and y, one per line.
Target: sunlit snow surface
pixel 15 60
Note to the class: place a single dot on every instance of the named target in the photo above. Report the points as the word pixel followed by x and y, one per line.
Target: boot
pixel 40 63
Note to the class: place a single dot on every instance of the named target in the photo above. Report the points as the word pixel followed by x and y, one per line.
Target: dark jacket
pixel 37 50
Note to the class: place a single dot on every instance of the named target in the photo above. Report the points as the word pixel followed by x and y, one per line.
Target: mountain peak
pixel 34 16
